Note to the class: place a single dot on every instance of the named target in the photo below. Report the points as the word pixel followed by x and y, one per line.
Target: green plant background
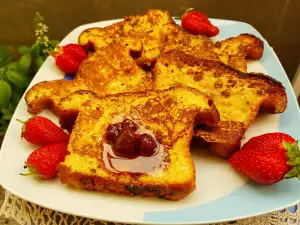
pixel 16 70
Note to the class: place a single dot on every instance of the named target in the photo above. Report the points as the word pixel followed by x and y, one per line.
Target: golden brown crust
pixel 131 25
pixel 275 96
pixel 138 40
pixel 111 70
pixel 68 114
pixel 248 44
pixel 238 96
pixel 144 27
pixel 169 114
pixel 222 140
pixel 235 50
pixel 159 33
pixel 47 94
pixel 96 183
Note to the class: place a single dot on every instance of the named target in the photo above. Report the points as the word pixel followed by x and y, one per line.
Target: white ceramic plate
pixel 221 195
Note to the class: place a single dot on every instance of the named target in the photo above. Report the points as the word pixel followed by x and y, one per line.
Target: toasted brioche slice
pixel 142 26
pixel 235 50
pixel 196 45
pixel 223 139
pixel 168 115
pixel 47 94
pixel 238 96
pixel 158 33
pixel 232 51
pixel 145 27
pixel 109 71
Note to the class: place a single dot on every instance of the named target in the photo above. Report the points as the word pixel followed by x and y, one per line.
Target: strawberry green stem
pixel 189 10
pixel 21 121
pixel 55 52
pixel 23 127
pixel 31 170
pixel 183 12
pixel 293 154
pixel 26 174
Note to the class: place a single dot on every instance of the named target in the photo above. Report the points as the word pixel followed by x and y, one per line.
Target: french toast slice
pixel 145 27
pixel 232 51
pixel 235 50
pixel 109 71
pixel 142 25
pixel 238 96
pixel 168 116
pixel 159 33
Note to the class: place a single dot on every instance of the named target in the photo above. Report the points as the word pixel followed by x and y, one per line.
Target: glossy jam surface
pixel 138 165
pixel 130 147
pixel 128 140
pixel 125 145
pixel 146 145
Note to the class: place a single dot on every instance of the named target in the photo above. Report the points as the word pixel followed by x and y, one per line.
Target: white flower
pixel 46 39
pixel 45 28
pixel 40 31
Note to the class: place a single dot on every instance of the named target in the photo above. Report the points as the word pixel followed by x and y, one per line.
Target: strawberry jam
pixel 146 145
pixel 128 147
pixel 113 131
pixel 129 124
pixel 126 143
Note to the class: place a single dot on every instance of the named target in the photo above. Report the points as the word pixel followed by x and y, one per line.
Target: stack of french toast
pixel 146 90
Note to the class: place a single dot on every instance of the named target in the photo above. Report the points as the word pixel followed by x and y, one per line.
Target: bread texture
pixel 109 71
pixel 159 33
pixel 169 115
pixel 238 96
pixel 122 56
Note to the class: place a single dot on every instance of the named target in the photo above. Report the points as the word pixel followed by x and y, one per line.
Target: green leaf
pixel 35 49
pixel 293 152
pixel 5 93
pixel 15 98
pixel 5 56
pixel 39 62
pixel 8 112
pixel 2 73
pixel 286 145
pixel 25 62
pixel 7 116
pixel 295 147
pixel 292 173
pixel 12 66
pixel 15 78
pixel 292 155
pixel 24 50
pixel 294 162
pixel 53 43
pixel 3 126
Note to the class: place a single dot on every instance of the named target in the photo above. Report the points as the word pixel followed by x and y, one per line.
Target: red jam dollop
pixel 127 143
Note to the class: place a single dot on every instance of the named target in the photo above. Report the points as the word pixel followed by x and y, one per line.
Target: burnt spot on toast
pixel 238 96
pixel 169 114
pixel 136 190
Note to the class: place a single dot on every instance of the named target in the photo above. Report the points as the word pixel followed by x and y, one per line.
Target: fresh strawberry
pixel 68 58
pixel 43 161
pixel 268 158
pixel 42 131
pixel 198 23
